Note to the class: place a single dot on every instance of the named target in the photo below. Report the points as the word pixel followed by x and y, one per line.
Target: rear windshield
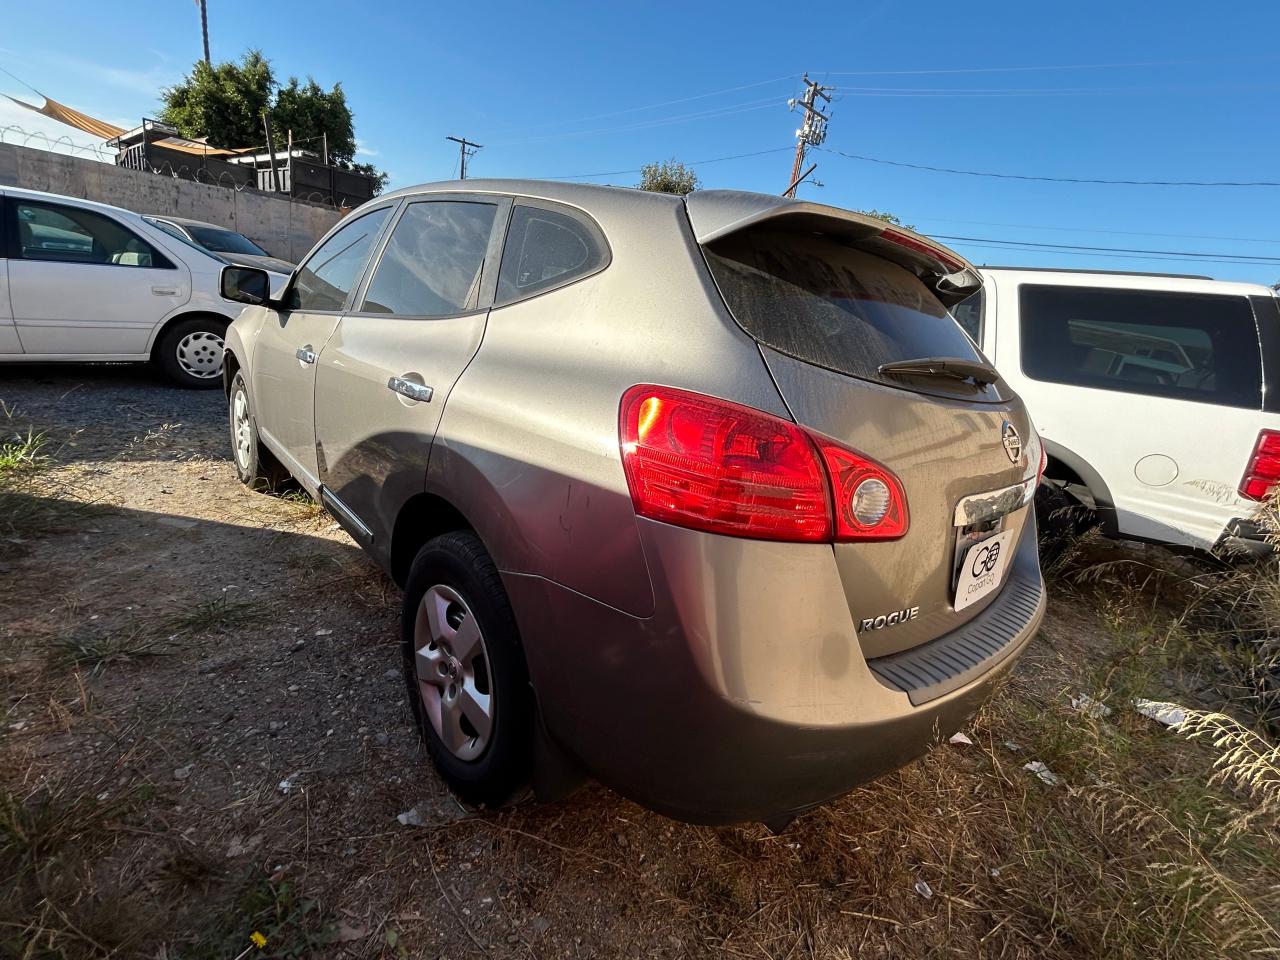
pixel 830 305
pixel 224 241
pixel 1184 346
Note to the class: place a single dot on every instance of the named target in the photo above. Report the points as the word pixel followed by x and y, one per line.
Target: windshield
pixel 820 301
pixel 225 241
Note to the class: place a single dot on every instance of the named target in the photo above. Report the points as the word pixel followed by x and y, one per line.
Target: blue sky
pixel 567 88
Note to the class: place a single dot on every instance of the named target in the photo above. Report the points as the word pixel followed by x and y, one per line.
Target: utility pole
pixel 812 131
pixel 465 149
pixel 204 29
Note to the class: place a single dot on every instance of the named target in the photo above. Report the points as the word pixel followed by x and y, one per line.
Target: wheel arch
pixel 1067 465
pixel 219 318
pixel 422 517
pixel 230 367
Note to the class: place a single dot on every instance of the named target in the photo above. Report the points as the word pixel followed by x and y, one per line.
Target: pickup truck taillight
pixel 1263 472
pixel 701 462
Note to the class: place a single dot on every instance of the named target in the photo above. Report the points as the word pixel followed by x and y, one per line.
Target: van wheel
pixel 190 352
pixel 256 466
pixel 465 670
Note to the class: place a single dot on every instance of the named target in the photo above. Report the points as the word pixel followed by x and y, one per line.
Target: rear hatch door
pixel 840 305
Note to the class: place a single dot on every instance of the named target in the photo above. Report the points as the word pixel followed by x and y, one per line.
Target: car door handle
pixel 306 354
pixel 407 388
pixel 165 291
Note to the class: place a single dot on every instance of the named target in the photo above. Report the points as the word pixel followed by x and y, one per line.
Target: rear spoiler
pixel 715 214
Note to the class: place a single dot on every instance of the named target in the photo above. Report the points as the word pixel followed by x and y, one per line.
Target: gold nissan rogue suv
pixel 709 497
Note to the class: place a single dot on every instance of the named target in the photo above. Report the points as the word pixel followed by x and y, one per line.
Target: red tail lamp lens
pixel 919 246
pixel 869 501
pixel 708 464
pixel 1263 473
pixel 711 465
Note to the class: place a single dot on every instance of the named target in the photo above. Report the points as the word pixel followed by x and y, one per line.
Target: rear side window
pixel 434 260
pixel 833 306
pixel 75 235
pixel 334 267
pixel 1184 346
pixel 546 249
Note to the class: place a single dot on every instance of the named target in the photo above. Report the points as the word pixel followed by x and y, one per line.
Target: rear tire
pixel 465 670
pixel 256 467
pixel 190 352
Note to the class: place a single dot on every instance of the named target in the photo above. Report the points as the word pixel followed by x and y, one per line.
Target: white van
pixel 83 281
pixel 1156 395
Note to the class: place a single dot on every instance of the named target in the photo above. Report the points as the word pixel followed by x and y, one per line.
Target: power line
pixel 1122 233
pixel 1038 68
pixel 692 163
pixel 650 106
pixel 713 112
pixel 1020 176
pixel 980 92
pixel 1181 254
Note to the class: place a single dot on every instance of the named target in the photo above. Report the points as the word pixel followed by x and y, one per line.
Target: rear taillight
pixel 869 501
pixel 705 463
pixel 1263 472
pixel 1044 462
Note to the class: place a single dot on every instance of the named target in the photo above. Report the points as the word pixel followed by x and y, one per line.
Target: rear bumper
pixel 1248 538
pixel 746 696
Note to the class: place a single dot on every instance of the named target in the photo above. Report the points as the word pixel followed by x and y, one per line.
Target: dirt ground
pixel 205 735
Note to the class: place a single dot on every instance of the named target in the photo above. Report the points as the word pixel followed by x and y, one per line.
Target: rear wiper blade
pixel 977 371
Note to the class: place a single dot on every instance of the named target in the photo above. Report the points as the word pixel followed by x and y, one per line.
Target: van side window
pixel 74 235
pixel 433 262
pixel 334 267
pixel 1185 346
pixel 547 249
pixel 968 313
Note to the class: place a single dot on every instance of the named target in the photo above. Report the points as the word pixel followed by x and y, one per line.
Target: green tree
pixel 669 176
pixel 224 104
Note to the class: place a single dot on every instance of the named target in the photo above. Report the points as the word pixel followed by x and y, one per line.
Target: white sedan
pixel 83 281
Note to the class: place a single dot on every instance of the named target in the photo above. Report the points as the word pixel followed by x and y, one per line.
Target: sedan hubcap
pixel 452 667
pixel 200 354
pixel 241 435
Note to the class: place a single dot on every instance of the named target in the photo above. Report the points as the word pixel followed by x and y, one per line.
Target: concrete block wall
pixel 286 228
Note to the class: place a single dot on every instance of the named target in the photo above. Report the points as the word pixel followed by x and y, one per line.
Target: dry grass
pixel 1152 842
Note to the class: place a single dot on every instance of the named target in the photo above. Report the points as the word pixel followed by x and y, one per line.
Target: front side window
pixel 328 275
pixel 434 260
pixel 1180 345
pixel 73 235
pixel 546 249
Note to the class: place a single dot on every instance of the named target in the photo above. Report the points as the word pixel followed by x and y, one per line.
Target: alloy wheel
pixel 241 431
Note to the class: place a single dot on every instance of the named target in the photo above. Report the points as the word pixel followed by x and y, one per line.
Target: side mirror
pixel 246 285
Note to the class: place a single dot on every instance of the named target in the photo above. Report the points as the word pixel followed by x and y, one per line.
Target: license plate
pixel 982 569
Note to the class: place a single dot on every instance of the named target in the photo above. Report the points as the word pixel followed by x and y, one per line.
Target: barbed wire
pixel 51 143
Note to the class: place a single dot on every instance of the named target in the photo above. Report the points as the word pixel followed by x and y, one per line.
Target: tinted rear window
pixel 830 305
pixel 1185 346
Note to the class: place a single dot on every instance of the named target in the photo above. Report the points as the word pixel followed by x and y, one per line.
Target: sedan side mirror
pixel 246 285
